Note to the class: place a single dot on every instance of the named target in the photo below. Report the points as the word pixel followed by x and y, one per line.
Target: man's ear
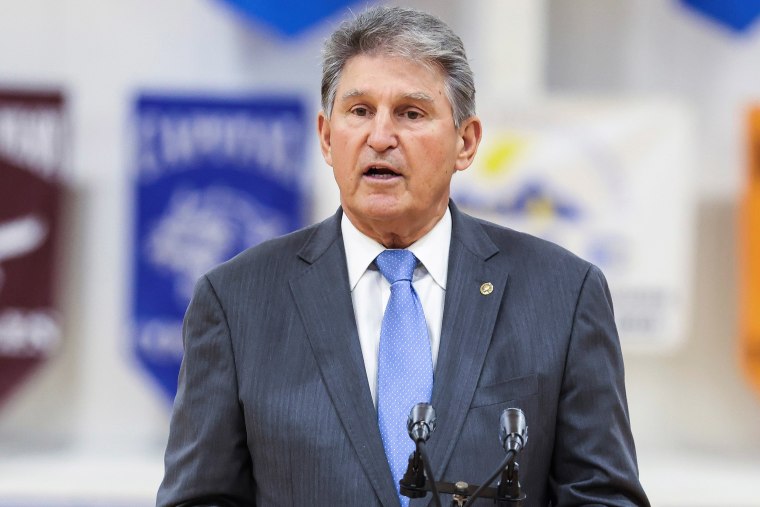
pixel 470 132
pixel 323 130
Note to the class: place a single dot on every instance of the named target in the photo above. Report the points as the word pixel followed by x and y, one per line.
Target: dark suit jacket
pixel 273 406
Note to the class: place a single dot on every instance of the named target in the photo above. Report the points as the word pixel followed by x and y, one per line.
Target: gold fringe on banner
pixel 749 238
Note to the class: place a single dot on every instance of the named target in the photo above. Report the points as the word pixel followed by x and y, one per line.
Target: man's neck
pixel 395 234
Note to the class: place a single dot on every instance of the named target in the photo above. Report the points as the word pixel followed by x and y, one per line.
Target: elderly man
pixel 304 354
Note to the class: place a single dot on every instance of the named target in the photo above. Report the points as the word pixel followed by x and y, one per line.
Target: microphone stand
pixel 507 494
pixel 414 483
pixel 509 485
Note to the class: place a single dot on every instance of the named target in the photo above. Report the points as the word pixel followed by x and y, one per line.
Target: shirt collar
pixel 361 250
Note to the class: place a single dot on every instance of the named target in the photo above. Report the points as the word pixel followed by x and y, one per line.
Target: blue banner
pixel 214 176
pixel 290 17
pixel 738 15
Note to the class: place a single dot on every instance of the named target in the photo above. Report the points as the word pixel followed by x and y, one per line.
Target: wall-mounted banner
pixel 290 17
pixel 609 181
pixel 32 137
pixel 749 254
pixel 737 15
pixel 214 176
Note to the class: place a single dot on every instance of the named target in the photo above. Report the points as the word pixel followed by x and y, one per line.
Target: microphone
pixel 513 434
pixel 513 430
pixel 421 422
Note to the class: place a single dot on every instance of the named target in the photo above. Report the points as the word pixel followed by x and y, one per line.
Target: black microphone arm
pixel 513 434
pixel 418 479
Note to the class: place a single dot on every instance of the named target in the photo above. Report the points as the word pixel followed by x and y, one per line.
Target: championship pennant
pixel 750 257
pixel 32 133
pixel 214 176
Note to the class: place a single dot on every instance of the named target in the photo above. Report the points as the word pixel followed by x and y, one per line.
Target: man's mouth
pixel 381 172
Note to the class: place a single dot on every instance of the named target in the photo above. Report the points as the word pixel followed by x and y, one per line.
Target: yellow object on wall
pixel 749 237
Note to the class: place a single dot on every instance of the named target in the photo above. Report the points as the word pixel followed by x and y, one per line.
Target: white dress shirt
pixel 370 290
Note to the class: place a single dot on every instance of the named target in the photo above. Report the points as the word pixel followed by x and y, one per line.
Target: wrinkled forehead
pixel 417 78
pixel 400 52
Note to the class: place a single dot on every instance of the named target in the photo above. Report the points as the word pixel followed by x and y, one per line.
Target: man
pixel 304 354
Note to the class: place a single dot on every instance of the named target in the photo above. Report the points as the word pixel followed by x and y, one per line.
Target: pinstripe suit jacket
pixel 273 406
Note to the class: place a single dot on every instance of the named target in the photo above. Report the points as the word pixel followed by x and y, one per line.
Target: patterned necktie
pixel 405 367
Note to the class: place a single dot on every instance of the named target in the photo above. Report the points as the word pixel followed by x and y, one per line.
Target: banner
pixel 749 254
pixel 737 15
pixel 32 127
pixel 290 17
pixel 214 176
pixel 611 182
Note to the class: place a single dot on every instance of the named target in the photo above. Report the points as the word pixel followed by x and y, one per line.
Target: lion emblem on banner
pixel 202 228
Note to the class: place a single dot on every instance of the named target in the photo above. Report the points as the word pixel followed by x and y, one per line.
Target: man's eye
pixel 413 115
pixel 360 111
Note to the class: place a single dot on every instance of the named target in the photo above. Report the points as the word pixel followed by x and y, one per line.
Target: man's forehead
pixel 379 60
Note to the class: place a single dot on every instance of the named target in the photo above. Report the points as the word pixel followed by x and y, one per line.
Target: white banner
pixel 610 181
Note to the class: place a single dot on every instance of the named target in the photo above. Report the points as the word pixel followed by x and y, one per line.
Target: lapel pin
pixel 486 288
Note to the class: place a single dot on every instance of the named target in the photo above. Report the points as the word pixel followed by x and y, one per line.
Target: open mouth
pixel 381 172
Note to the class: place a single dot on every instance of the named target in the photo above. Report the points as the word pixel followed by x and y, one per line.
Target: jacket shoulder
pixel 525 249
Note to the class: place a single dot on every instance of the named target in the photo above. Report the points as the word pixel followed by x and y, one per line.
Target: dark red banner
pixel 32 127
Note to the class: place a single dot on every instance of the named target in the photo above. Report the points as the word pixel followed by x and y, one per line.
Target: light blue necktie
pixel 405 367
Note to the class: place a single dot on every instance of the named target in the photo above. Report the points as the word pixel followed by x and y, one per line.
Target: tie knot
pixel 396 265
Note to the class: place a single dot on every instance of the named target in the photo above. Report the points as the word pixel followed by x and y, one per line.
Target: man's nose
pixel 383 134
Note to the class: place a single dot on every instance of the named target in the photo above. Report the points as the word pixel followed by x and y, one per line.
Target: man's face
pixel 393 146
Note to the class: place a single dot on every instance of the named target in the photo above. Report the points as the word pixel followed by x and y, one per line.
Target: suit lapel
pixel 468 322
pixel 323 299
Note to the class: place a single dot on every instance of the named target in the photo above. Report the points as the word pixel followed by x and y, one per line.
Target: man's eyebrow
pixel 421 96
pixel 355 92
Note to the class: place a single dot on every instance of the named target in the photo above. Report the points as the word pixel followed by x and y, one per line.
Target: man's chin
pixel 382 210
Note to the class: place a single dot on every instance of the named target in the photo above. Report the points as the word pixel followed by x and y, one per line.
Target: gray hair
pixel 406 33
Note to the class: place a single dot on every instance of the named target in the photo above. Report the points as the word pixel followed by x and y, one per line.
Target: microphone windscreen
pixel 421 422
pixel 513 429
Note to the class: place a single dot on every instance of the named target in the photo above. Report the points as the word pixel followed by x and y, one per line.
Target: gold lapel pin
pixel 486 288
